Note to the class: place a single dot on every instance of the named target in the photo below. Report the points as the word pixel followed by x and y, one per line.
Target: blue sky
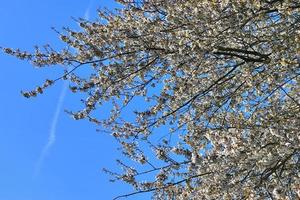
pixel 68 165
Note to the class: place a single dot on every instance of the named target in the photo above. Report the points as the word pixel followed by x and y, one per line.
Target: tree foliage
pixel 204 95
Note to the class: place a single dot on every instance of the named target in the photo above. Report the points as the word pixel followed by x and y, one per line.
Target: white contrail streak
pixel 87 11
pixel 87 14
pixel 52 132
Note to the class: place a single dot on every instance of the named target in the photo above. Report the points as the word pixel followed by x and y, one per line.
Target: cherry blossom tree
pixel 204 94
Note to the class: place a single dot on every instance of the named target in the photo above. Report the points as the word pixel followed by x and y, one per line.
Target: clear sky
pixel 44 154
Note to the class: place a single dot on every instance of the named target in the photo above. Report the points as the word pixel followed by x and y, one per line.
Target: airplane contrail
pixel 87 14
pixel 87 11
pixel 52 132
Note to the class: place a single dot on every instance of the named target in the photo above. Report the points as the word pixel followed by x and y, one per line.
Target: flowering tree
pixel 212 88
